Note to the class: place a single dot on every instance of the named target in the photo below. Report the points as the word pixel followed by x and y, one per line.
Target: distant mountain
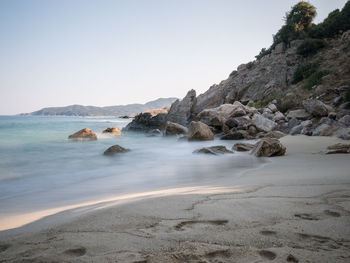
pixel 119 110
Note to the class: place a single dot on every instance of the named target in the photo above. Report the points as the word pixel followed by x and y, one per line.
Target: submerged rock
pixel 243 147
pixel 83 135
pixel 172 128
pixel 113 131
pixel 115 149
pixel 268 147
pixel 215 150
pixel 199 131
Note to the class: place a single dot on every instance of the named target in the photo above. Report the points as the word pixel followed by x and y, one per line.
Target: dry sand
pixel 294 209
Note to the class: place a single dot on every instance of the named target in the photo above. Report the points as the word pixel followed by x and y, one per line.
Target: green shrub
pixel 263 53
pixel 310 47
pixel 315 79
pixel 303 72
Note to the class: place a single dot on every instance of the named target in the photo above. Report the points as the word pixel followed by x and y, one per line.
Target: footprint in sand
pixel 268 233
pixel 75 252
pixel 205 222
pixel 331 213
pixel 306 216
pixel 267 254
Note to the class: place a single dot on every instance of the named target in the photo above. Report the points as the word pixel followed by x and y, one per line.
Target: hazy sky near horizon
pixel 63 52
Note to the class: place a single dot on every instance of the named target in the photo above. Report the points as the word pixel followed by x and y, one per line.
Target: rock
pixel 238 112
pixel 236 135
pixel 243 147
pixel 275 134
pixel 272 107
pixel 332 115
pixel 307 123
pixel 296 130
pixel 199 131
pixel 211 117
pixel 345 120
pixel 252 130
pixel 337 101
pixel 263 123
pixel 155 132
pixel 172 128
pixel 290 101
pixel 215 150
pixel 146 122
pixel 241 123
pixel 324 130
pixel 300 114
pixel 181 112
pixel 115 149
pixel 279 116
pixel 268 115
pixel 338 148
pixel 268 147
pixel 315 107
pixel 345 106
pixel 113 131
pixel 84 134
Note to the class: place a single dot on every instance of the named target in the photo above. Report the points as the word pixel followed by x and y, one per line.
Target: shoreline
pixel 297 206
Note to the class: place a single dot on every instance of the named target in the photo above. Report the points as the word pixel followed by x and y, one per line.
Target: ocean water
pixel 41 169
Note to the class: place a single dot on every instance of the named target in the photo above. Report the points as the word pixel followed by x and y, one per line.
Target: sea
pixel 40 168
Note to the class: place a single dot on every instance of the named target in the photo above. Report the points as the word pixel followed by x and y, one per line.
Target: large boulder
pixel 243 147
pixel 316 108
pixel 275 134
pixel 241 123
pixel 83 135
pixel 345 120
pixel 300 114
pixel 146 122
pixel 268 147
pixel 262 123
pixel 115 149
pixel 199 131
pixel 172 128
pixel 214 150
pixel 234 134
pixel 113 131
pixel 211 117
pixel 181 112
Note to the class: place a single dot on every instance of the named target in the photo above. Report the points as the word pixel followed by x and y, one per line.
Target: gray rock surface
pixel 199 131
pixel 172 128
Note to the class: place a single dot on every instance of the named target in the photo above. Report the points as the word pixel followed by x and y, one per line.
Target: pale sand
pixel 295 208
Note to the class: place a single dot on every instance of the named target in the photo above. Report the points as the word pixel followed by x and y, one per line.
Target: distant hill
pixel 119 110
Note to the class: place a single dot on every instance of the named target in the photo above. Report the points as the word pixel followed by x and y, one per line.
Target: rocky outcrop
pixel 268 147
pixel 172 128
pixel 181 112
pixel 83 135
pixel 147 122
pixel 198 131
pixel 262 123
pixel 115 149
pixel 234 134
pixel 113 131
pixel 214 150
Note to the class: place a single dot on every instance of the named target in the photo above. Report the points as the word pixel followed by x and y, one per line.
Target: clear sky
pixel 57 53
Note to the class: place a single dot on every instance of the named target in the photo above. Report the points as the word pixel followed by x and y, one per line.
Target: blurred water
pixel 40 168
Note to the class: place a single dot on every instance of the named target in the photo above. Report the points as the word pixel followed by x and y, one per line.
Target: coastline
pixel 295 206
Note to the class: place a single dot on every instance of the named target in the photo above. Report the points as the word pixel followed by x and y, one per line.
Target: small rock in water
pixel 113 131
pixel 115 149
pixel 215 150
pixel 83 135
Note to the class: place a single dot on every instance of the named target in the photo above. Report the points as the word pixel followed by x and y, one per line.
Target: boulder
pixel 113 131
pixel 315 107
pixel 279 116
pixel 83 135
pixel 263 123
pixel 172 128
pixel 268 147
pixel 115 149
pixel 211 117
pixel 272 107
pixel 215 150
pixel 199 131
pixel 181 112
pixel 241 123
pixel 300 114
pixel 236 135
pixel 290 101
pixel 296 130
pixel 243 147
pixel 338 148
pixel 324 130
pixel 145 122
pixel 345 120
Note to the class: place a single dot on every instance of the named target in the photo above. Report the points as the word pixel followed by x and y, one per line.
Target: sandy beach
pixel 296 208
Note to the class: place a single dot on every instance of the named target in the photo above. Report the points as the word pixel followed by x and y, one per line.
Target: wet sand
pixel 294 209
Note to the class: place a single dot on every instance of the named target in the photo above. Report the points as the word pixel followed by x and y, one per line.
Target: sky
pixel 102 53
